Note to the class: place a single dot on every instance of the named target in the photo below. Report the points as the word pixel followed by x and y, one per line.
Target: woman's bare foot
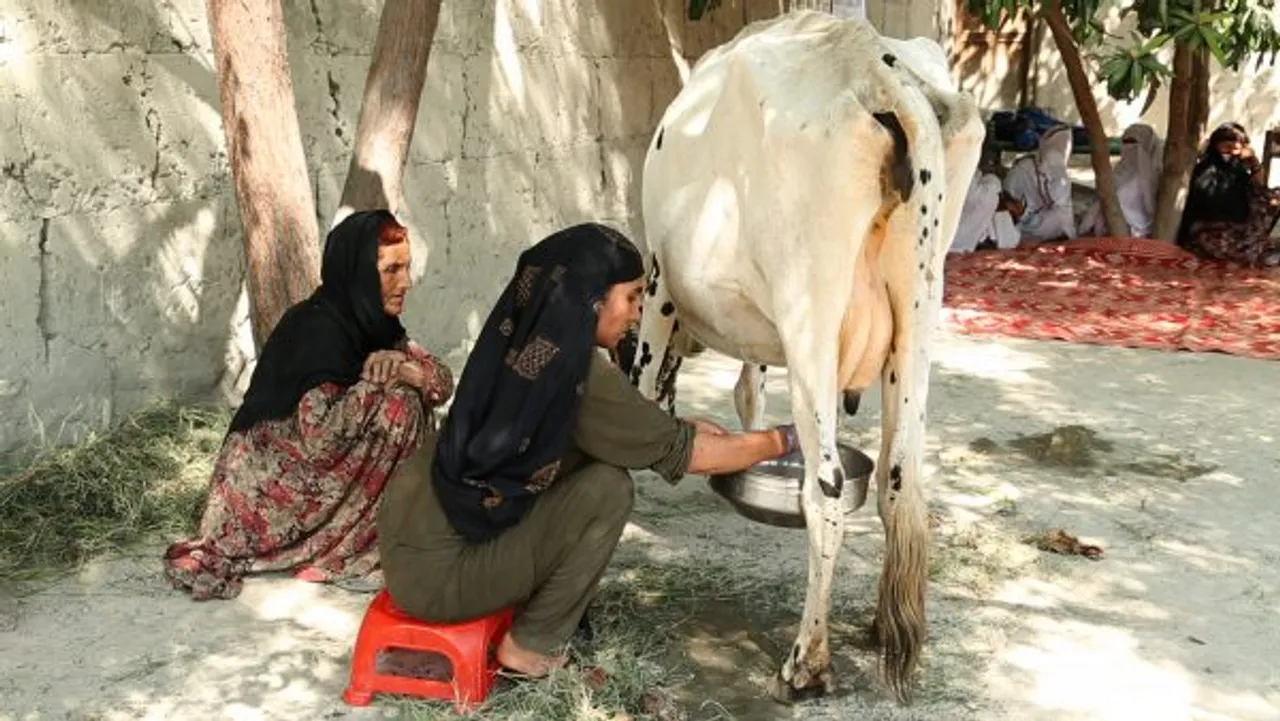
pixel 527 662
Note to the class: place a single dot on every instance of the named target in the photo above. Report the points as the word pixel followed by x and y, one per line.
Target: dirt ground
pixel 1168 462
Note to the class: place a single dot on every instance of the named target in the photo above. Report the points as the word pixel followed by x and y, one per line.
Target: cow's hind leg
pixel 811 369
pixel 748 396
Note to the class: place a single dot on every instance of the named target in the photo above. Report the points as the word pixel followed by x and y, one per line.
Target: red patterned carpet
pixel 1122 292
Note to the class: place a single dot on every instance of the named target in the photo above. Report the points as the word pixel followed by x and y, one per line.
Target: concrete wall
pixel 120 253
pixel 911 18
pixel 121 272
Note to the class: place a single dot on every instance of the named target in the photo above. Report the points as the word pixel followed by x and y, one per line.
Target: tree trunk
pixel 1082 91
pixel 268 166
pixel 1199 96
pixel 1182 134
pixel 389 111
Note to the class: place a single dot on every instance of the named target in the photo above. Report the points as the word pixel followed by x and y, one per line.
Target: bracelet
pixel 790 438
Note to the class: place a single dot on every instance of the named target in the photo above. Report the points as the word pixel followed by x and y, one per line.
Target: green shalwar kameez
pixel 549 564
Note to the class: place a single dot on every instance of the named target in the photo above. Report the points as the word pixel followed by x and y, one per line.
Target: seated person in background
pixel 985 219
pixel 1039 182
pixel 1230 212
pixel 1137 180
pixel 522 499
pixel 338 399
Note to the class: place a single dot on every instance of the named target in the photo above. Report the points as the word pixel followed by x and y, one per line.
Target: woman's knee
pixel 403 409
pixel 607 489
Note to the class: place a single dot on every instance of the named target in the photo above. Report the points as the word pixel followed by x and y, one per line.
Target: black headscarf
pixel 327 337
pixel 511 419
pixel 1220 185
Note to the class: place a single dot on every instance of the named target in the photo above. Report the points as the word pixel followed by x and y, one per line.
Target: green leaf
pixel 1211 18
pixel 1214 41
pixel 1156 43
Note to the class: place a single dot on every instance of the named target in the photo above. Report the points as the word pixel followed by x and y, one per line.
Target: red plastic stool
pixel 465 644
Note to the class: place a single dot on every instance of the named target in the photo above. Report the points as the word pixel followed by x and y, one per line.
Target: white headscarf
pixel 1040 181
pixel 1137 179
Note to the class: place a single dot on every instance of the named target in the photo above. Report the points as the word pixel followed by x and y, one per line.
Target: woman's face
pixel 619 310
pixel 1230 147
pixel 393 272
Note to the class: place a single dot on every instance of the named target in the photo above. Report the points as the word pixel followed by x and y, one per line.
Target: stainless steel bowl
pixel 769 491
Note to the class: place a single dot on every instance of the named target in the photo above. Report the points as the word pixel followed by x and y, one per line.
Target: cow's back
pixel 756 170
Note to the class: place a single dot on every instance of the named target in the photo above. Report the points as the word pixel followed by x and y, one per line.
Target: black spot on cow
pixel 625 353
pixel 925 177
pixel 764 368
pixel 924 210
pixel 658 145
pixel 889 59
pixel 836 486
pixel 935 222
pixel 668 308
pixel 924 232
pixel 917 304
pixel 646 357
pixel 901 174
pixel 893 377
pixel 921 266
pixel 905 400
pixel 895 475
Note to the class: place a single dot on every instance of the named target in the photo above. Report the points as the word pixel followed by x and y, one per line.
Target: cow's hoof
pixel 799 690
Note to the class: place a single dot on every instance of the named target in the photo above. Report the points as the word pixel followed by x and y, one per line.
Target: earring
pixel 596 306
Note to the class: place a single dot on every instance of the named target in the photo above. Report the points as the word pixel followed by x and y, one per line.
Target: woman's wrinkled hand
pixel 381 366
pixel 432 379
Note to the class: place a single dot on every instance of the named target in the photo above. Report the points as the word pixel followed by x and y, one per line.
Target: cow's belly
pixel 723 317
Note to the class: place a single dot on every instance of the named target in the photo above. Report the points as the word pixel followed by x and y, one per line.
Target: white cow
pixel 799 198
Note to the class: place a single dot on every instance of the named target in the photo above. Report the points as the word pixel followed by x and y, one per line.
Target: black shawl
pixel 511 419
pixel 1219 191
pixel 327 337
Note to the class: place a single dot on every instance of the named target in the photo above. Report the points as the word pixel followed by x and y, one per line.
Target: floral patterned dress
pixel 301 494
pixel 1248 242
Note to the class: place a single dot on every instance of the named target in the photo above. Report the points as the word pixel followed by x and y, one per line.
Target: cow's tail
pixel 914 278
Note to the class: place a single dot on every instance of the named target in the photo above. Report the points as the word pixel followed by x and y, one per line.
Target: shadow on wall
pixel 535 116
pixel 120 237
pixel 121 266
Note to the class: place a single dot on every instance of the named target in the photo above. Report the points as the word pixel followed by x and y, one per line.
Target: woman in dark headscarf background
pixel 524 495
pixel 338 398
pixel 1230 212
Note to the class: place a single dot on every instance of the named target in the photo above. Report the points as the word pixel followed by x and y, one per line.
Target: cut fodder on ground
pixel 978 557
pixel 630 669
pixel 149 475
